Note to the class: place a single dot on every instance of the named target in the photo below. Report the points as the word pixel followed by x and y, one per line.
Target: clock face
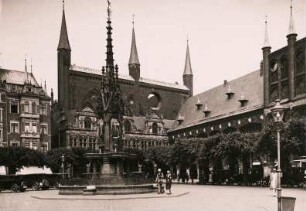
pixel 274 68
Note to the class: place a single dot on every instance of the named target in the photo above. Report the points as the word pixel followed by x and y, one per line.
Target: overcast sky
pixel 226 36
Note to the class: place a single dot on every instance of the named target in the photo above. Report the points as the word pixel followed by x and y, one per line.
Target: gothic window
pixel 273 71
pixel 284 67
pixel 300 62
pixel 127 126
pixel 274 92
pixel 34 108
pixel 87 123
pixel 154 128
pixel 300 73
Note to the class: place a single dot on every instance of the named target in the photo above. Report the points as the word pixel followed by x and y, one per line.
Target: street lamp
pixel 63 165
pixel 278 113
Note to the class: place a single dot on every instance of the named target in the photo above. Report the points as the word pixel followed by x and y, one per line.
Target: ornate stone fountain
pixel 105 171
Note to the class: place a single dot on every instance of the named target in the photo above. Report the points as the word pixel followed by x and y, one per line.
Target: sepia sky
pixel 225 36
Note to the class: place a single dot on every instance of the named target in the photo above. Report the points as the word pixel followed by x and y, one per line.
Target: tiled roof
pixel 17 77
pixel 127 77
pixel 217 103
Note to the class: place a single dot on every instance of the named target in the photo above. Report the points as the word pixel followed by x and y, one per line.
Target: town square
pixel 152 105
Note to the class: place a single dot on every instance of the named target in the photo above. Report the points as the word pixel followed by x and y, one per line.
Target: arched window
pixel 26 107
pixel 34 108
pixel 127 126
pixel 87 123
pixel 154 128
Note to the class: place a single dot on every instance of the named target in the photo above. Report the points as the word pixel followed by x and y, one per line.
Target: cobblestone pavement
pixel 185 198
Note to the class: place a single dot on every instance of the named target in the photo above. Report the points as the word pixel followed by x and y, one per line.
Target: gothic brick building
pixel 245 103
pixel 150 106
pixel 25 112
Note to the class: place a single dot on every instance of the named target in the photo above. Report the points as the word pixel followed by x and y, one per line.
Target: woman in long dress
pixel 168 182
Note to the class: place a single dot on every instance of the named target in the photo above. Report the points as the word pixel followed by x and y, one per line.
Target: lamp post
pixel 278 113
pixel 63 165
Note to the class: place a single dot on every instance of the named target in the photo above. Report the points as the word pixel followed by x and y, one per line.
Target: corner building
pixel 25 111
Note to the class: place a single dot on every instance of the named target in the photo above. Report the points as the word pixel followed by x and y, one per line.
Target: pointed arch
pixel 91 100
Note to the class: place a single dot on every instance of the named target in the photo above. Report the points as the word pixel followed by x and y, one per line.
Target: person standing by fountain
pixel 168 181
pixel 159 181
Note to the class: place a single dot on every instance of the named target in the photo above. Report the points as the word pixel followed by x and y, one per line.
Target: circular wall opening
pixel 154 100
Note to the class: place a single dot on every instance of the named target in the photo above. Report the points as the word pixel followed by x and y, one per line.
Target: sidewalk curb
pixel 110 199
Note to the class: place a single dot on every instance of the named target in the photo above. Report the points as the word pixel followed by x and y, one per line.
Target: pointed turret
pixel 291 29
pixel 26 70
pixel 134 65
pixel 64 41
pixel 266 50
pixel 187 75
pixel 266 40
pixel 188 69
pixel 63 64
pixel 134 55
pixel 291 39
pixel 109 45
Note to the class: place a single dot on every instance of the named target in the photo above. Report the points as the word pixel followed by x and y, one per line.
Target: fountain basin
pixel 107 189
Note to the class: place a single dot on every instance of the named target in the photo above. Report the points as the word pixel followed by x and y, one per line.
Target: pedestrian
pixel 159 181
pixel 273 181
pixel 168 182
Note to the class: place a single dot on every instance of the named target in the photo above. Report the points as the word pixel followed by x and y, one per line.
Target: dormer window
pixel 180 119
pixel 243 101
pixel 229 92
pixel 199 104
pixel 206 111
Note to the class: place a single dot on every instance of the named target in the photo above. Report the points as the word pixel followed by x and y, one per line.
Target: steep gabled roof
pixel 217 103
pixel 129 78
pixel 17 77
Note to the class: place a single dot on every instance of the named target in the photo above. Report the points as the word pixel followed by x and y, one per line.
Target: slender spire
pixel 109 46
pixel 26 68
pixel 134 54
pixel 31 67
pixel 188 69
pixel 266 41
pixel 64 41
pixel 291 22
pixel 45 86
